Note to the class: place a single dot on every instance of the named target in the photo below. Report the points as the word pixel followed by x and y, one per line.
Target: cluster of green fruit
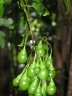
pixel 37 76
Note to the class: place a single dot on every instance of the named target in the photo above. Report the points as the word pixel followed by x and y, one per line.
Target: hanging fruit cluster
pixel 37 76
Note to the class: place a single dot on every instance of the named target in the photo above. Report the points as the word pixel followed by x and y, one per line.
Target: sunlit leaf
pixel 9 22
pixel 41 5
pixel 2 34
pixel 37 7
pixel 2 42
pixel 46 13
pixel 1 10
pixel 67 5
pixel 1 1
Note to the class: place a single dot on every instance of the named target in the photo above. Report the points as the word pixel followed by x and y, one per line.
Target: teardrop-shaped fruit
pixel 30 70
pixel 24 82
pixel 22 56
pixel 16 80
pixel 40 45
pixel 48 61
pixel 44 88
pixel 42 63
pixel 37 70
pixel 38 91
pixel 43 74
pixel 33 86
pixel 51 88
pixel 37 67
pixel 40 49
pixel 51 67
pixel 32 79
pixel 52 74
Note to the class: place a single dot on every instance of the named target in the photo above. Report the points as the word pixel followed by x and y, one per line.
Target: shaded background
pixel 57 27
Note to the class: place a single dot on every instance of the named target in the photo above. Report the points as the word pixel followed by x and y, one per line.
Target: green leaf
pixel 1 1
pixel 2 21
pixel 22 23
pixel 37 7
pixel 42 6
pixel 46 13
pixel 4 1
pixel 22 43
pixel 5 22
pixel 1 10
pixel 8 22
pixel 2 42
pixel 2 34
pixel 67 5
